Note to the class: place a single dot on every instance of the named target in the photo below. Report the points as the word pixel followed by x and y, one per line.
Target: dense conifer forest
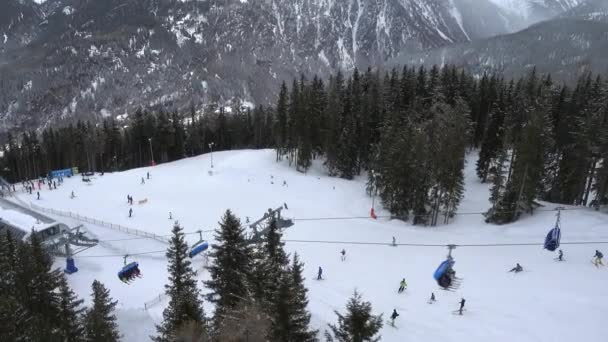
pixel 407 130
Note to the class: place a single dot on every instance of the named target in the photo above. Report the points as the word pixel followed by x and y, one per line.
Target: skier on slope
pixel 143 181
pixel 393 316
pixel 320 273
pixel 38 193
pixel 130 212
pixel 560 255
pixel 402 285
pixel 343 252
pixel 432 300
pixel 597 258
pixel 462 301
pixel 517 268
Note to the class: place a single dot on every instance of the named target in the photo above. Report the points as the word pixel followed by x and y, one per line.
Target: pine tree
pixel 230 267
pixel 100 322
pixel 185 306
pixel 492 139
pixel 270 262
pixel 37 293
pixel 280 128
pixel 358 324
pixel 244 322
pixel 70 314
pixel 290 318
pixel 12 313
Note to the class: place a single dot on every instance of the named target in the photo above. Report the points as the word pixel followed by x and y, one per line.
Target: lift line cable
pixel 379 244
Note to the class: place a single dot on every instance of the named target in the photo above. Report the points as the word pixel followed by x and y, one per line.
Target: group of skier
pixel 597 261
pixel 395 314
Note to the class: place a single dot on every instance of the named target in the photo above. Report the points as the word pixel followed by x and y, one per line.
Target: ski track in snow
pixel 552 302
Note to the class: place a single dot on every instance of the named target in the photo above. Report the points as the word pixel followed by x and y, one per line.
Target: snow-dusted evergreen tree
pixel 37 285
pixel 492 139
pixel 12 314
pixel 100 321
pixel 71 326
pixel 230 267
pixel 529 156
pixel 247 321
pixel 291 320
pixel 270 262
pixel 334 110
pixel 449 141
pixel 280 127
pixel 358 324
pixel 185 305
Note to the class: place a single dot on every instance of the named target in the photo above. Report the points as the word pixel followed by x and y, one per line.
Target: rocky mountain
pixel 67 59
pixel 566 47
pixel 592 10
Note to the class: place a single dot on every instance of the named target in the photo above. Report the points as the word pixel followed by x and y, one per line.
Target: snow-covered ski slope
pixel 550 301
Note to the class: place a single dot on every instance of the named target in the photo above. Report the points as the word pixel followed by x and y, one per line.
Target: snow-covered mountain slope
pixel 536 10
pixel 569 298
pixel 566 47
pixel 591 10
pixel 68 59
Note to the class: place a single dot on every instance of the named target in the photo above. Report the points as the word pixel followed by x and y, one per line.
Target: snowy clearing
pixel 550 301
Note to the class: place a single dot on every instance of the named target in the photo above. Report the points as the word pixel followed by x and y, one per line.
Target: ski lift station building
pixel 21 221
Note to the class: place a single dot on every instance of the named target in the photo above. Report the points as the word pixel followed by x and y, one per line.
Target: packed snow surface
pixel 549 301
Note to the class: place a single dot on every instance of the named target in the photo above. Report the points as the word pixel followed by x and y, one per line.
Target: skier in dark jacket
pixel 130 212
pixel 320 273
pixel 393 316
pixel 432 300
pixel 560 255
pixel 343 252
pixel 517 268
pixel 597 261
pixel 462 301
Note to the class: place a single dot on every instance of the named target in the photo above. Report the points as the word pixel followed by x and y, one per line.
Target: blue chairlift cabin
pixel 129 271
pixel 199 246
pixel 444 275
pixel 553 238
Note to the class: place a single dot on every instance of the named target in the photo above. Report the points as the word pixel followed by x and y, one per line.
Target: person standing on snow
pixel 143 181
pixel 597 261
pixel 320 274
pixel 38 192
pixel 560 255
pixel 130 212
pixel 432 300
pixel 148 175
pixel 393 316
pixel 402 286
pixel 343 252
pixel 462 301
